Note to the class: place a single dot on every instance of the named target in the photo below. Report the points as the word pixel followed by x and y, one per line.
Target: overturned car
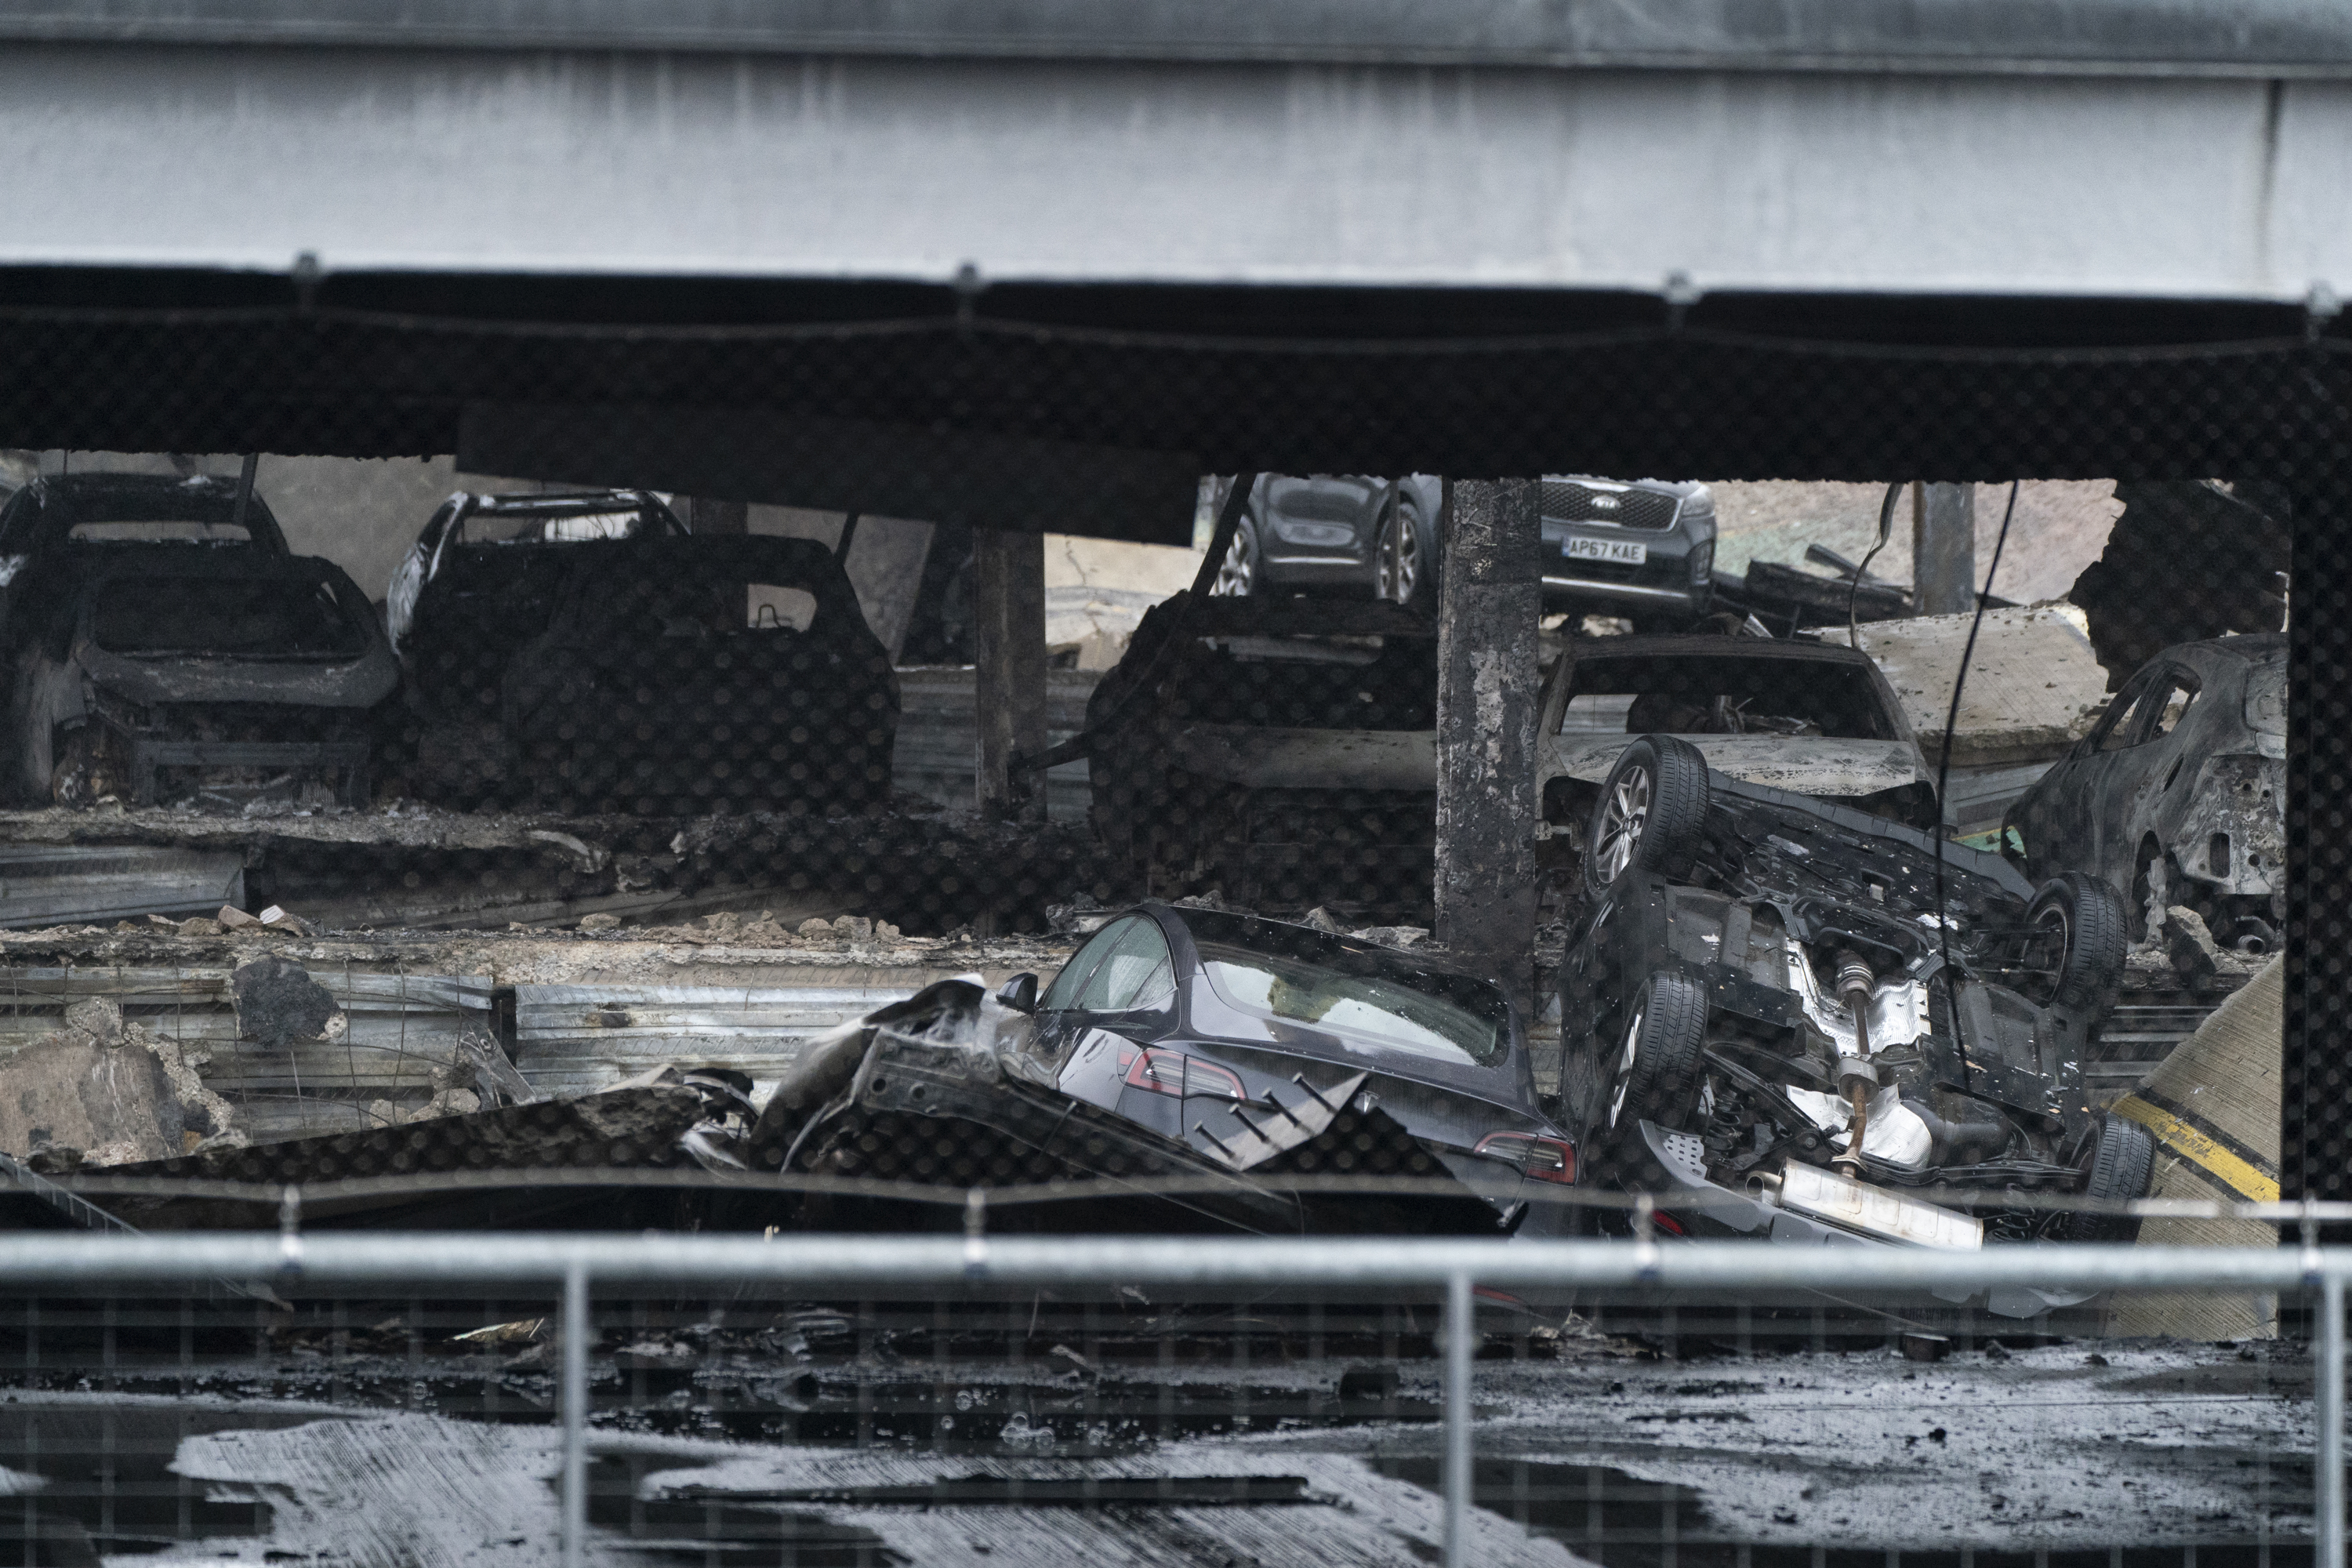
pixel 1787 1018
pixel 1194 1070
pixel 164 646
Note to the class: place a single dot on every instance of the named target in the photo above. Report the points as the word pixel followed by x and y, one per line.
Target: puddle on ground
pixel 105 1488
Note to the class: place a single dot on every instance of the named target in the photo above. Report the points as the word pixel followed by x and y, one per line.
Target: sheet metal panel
pixel 68 884
pixel 574 1039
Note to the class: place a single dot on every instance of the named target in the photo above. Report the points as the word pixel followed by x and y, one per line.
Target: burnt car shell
pixel 1283 750
pixel 152 624
pixel 1140 1059
pixel 2180 788
pixel 650 672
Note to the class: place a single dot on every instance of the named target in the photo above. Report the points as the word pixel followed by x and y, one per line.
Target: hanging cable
pixel 1853 588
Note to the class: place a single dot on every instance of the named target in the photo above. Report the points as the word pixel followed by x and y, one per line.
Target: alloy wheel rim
pixel 1626 815
pixel 1399 557
pixel 1624 1083
pixel 1238 574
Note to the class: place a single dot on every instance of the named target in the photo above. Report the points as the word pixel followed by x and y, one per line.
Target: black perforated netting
pixel 715 717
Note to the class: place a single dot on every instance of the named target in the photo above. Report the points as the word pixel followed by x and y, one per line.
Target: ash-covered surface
pixel 818 1434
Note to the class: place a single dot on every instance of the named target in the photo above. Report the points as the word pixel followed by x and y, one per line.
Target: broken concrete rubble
pixel 100 1092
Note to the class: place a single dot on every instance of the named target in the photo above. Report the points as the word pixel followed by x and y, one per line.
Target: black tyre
pixel 1241 573
pixel 2092 924
pixel 1652 814
pixel 2120 1171
pixel 1659 1058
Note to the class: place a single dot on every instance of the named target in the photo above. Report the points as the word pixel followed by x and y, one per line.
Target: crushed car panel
pixel 1179 1042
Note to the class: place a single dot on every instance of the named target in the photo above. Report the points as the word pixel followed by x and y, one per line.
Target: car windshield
pixel 1720 696
pixel 1370 994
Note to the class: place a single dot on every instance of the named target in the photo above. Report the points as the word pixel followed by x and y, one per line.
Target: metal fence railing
pixel 571 1266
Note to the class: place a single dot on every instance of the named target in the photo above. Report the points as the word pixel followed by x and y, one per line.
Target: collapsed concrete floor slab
pixel 415 866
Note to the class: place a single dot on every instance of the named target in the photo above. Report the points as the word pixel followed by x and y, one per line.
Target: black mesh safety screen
pixel 713 716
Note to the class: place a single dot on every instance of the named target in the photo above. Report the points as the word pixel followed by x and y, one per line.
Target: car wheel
pixel 1651 815
pixel 1238 572
pixel 1404 571
pixel 1659 1056
pixel 2120 1171
pixel 2089 921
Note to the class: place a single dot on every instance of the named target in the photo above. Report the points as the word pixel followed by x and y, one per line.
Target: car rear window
pixel 1311 683
pixel 1384 999
pixel 265 617
pixel 1716 696
pixel 489 528
pixel 171 531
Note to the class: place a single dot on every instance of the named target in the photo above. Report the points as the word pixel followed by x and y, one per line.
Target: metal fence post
pixel 2327 1507
pixel 1457 1419
pixel 573 1328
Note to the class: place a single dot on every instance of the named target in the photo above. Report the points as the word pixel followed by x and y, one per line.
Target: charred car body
pixel 2177 795
pixel 625 666
pixel 1286 752
pixel 163 644
pixel 1763 982
pixel 1283 751
pixel 1223 1056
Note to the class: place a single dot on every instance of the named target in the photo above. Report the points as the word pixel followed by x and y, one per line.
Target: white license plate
pixel 1615 552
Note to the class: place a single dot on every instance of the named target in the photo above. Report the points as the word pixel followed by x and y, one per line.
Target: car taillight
pixel 1542 1159
pixel 1174 1072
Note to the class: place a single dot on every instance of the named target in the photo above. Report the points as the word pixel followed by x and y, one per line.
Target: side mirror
pixel 1020 993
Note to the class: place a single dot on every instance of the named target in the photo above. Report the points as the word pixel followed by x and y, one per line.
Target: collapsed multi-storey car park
pixel 725 256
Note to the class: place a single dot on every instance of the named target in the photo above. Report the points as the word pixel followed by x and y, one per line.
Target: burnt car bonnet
pixel 169 627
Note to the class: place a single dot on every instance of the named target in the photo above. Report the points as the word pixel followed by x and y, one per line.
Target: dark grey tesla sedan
pixel 1643 548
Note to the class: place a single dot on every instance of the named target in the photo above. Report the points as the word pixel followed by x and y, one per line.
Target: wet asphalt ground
pixel 813 1440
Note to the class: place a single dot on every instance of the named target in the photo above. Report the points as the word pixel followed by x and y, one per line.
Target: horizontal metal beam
pixel 827 164
pixel 2266 38
pixel 340 1261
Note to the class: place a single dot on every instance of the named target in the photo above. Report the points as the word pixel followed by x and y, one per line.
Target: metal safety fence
pixel 1456 1276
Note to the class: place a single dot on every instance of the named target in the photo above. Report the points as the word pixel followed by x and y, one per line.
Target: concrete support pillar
pixel 1943 549
pixel 1490 602
pixel 2316 1110
pixel 1009 659
pixel 704 515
